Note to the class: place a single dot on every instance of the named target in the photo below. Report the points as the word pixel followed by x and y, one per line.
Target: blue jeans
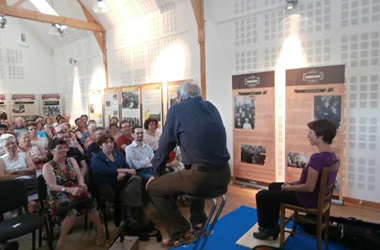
pixel 145 173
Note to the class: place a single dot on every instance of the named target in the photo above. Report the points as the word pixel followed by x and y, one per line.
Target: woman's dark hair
pixel 149 120
pixel 54 142
pixel 102 139
pixel 113 125
pixel 324 128
pixel 30 124
pixel 78 119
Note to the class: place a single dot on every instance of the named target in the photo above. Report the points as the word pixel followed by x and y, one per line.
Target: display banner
pixel 152 102
pixel 51 105
pixel 130 105
pixel 311 94
pixel 254 134
pixel 24 106
pixel 95 108
pixel 111 105
pixel 3 108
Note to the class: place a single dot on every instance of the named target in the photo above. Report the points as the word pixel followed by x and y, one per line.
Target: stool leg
pixel 210 231
pixel 205 230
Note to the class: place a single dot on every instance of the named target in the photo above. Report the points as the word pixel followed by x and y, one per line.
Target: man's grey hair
pixel 188 90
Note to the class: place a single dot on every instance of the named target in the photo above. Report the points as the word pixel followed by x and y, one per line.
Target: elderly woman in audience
pixel 37 154
pixel 87 133
pixel 91 138
pixel 151 135
pixel 114 131
pixel 114 177
pixel 67 190
pixel 17 165
pixel 300 193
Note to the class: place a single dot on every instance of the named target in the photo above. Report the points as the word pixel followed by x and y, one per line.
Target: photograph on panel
pixel 253 154
pixel 108 103
pixel 244 112
pixel 297 159
pixel 3 112
pixel 130 100
pixel 92 108
pixel 133 121
pixel 18 109
pixel 114 97
pixel 328 107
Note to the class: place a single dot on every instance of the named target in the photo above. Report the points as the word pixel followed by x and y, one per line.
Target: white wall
pixel 154 48
pixel 244 36
pixel 76 81
pixel 24 70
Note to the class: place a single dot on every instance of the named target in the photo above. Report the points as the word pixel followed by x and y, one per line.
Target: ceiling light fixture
pixel 72 61
pixel 291 4
pixel 100 7
pixel 3 21
pixel 23 42
pixel 56 29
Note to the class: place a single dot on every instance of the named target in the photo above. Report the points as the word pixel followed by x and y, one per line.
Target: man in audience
pixel 84 118
pixel 94 148
pixel 126 137
pixel 204 153
pixel 139 155
pixel 19 125
pixel 81 128
pixel 3 129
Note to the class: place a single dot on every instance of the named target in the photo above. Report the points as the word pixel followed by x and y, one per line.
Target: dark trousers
pixel 268 204
pixel 129 196
pixel 189 182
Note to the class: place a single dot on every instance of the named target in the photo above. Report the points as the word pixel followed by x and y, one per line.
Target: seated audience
pixel 114 119
pixel 73 152
pixel 116 181
pixel 73 142
pixel 19 125
pixel 81 128
pixel 94 148
pixel 114 131
pixel 91 136
pixel 37 154
pixel 87 133
pixel 300 193
pixel 18 165
pixel 139 154
pixel 84 118
pixel 125 138
pixel 35 138
pixel 151 134
pixel 49 126
pixel 68 192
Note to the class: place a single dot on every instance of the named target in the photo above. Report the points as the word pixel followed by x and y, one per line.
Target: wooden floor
pixel 236 197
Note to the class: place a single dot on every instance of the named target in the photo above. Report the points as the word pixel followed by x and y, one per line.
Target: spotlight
pixel 57 29
pixel 291 4
pixel 3 21
pixel 72 62
pixel 100 7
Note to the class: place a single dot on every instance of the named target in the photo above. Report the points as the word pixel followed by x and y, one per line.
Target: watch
pixel 63 189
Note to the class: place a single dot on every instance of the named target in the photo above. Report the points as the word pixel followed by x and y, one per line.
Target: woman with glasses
pixel 18 165
pixel 68 195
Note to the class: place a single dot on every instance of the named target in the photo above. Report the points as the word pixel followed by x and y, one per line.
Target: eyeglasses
pixel 10 144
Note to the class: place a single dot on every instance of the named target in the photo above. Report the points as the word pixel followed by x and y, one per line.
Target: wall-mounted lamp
pixel 291 4
pixel 3 21
pixel 72 62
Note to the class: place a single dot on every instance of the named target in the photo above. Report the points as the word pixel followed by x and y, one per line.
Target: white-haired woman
pixel 37 154
pixel 18 165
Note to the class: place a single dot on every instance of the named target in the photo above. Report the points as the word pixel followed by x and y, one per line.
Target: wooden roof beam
pixel 46 18
pixel 198 9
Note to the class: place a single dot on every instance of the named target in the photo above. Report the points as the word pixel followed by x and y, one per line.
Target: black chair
pixel 208 227
pixel 42 196
pixel 13 195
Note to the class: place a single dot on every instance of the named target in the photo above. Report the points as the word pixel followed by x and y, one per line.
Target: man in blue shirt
pixel 198 127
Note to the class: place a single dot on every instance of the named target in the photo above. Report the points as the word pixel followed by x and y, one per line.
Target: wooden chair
pixel 322 210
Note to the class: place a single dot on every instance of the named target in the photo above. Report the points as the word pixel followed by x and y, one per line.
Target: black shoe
pixel 266 233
